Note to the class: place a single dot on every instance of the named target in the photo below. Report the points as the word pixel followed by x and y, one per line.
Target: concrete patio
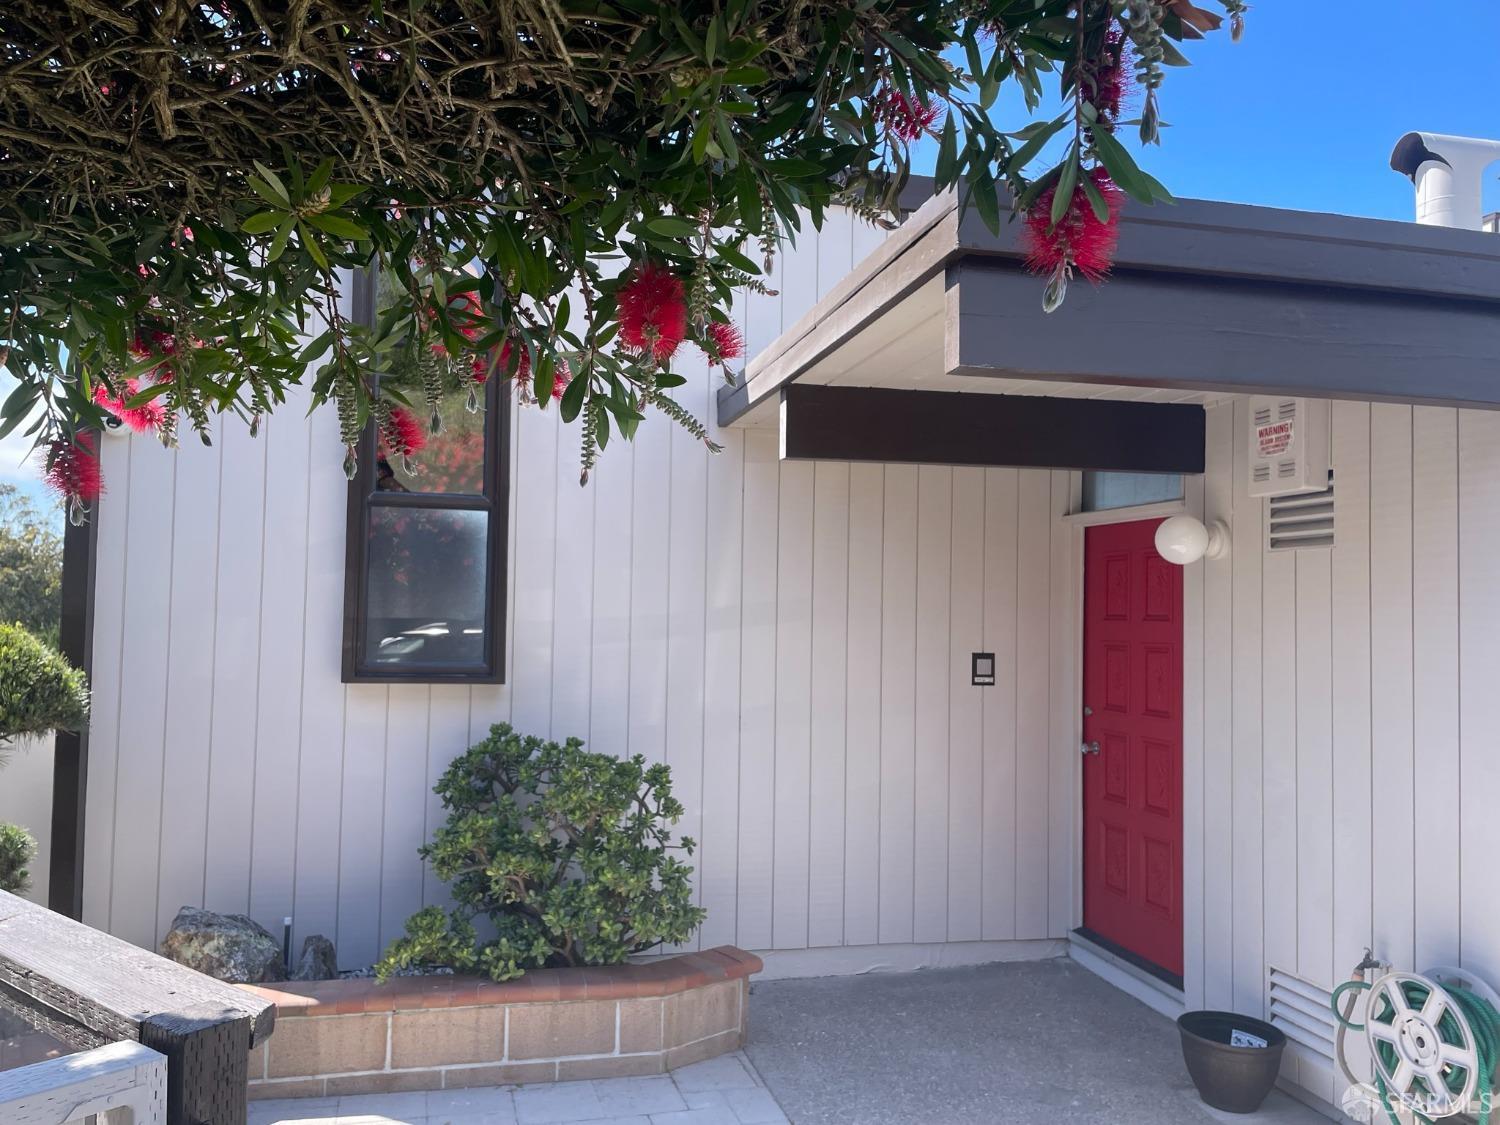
pixel 1022 1042
pixel 1025 1041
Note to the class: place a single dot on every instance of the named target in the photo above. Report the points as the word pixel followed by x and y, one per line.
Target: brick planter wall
pixel 446 1032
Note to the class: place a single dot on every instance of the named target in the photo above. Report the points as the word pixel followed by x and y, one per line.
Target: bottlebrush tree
pixel 561 192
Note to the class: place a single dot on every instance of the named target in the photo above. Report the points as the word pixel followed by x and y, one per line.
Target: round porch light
pixel 1184 540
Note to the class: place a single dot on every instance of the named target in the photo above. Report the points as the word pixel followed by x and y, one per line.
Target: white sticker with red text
pixel 1274 438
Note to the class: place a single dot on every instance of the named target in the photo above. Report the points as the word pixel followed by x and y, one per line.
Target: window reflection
pixel 426 580
pixel 450 461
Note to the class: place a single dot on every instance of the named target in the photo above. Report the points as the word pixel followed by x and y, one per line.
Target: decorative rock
pixel 229 947
pixel 318 960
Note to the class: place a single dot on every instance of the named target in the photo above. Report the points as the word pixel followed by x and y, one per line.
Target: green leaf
pixel 542 379
pixel 262 221
pixel 947 156
pixel 1171 56
pixel 746 76
pixel 1121 166
pixel 1067 184
pixel 315 348
pixel 1159 193
pixel 272 185
pixel 339 226
pixel 672 226
pixel 1023 155
pixel 320 177
pixel 278 244
pixel 982 191
pixel 1096 199
pixel 738 260
pixel 311 245
pixel 573 397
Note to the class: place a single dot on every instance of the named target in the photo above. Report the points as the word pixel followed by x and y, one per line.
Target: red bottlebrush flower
pixel 1112 78
pixel 725 342
pixel 653 312
pixel 906 116
pixel 147 416
pixel 73 470
pixel 401 433
pixel 522 374
pixel 465 313
pixel 153 342
pixel 561 378
pixel 1078 240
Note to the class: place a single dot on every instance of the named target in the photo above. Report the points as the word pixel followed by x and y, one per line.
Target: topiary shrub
pixel 39 690
pixel 17 850
pixel 566 853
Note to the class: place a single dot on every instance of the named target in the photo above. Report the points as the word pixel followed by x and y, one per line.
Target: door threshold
pixel 1125 975
pixel 1134 960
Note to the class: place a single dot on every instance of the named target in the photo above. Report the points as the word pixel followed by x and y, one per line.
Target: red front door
pixel 1132 784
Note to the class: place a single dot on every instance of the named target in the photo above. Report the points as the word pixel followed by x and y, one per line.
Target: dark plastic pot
pixel 1234 1079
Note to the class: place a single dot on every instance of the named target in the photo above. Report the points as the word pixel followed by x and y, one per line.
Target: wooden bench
pixel 89 989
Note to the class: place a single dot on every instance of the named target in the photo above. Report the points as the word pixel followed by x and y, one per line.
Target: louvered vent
pixel 1301 1009
pixel 1303 519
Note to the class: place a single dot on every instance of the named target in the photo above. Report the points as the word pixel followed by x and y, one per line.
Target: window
pixel 424 580
pixel 1104 491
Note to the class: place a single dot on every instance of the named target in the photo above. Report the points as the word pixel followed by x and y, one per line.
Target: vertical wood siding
pixel 1348 712
pixel 793 639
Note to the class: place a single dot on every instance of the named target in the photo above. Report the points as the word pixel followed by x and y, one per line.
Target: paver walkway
pixel 722 1091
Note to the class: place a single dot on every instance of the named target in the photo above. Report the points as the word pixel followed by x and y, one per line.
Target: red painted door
pixel 1132 784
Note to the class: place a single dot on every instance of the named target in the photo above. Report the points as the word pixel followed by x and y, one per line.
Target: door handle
pixel 1089 748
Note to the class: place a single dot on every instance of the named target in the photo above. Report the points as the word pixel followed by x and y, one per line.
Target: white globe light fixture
pixel 1184 540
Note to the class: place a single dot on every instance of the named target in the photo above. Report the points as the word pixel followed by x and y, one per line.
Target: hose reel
pixel 1433 1038
pixel 1422 1044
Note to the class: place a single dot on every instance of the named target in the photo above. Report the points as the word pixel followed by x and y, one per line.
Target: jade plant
pixel 17 850
pixel 564 856
pixel 39 690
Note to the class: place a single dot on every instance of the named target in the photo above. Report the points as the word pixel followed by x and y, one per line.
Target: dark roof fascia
pixel 1298 251
pixel 1235 240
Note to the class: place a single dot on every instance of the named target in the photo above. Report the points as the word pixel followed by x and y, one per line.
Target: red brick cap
pixel 602 982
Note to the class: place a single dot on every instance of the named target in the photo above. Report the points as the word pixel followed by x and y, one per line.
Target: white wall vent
pixel 1304 519
pixel 1301 1009
pixel 1289 442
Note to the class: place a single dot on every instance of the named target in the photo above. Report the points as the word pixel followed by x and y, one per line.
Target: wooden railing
pixel 128 1011
pixel 120 1084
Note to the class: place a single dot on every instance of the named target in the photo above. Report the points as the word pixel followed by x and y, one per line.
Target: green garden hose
pixel 1484 1023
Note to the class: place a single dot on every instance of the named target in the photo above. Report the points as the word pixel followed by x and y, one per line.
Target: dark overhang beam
pixel 1223 336
pixel 825 423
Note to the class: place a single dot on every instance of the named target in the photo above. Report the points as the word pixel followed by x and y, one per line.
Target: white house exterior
pixel 794 638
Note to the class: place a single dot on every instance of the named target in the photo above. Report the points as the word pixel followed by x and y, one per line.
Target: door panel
pixel 1132 787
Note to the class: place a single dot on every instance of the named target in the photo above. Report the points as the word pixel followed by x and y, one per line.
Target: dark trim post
pixel 70 759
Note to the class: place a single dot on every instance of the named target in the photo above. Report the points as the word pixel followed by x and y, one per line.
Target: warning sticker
pixel 1273 439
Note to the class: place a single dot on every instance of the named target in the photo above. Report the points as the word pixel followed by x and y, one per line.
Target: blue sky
pixel 1301 113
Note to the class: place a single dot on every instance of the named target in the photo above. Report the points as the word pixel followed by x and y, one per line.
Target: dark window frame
pixel 494 501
